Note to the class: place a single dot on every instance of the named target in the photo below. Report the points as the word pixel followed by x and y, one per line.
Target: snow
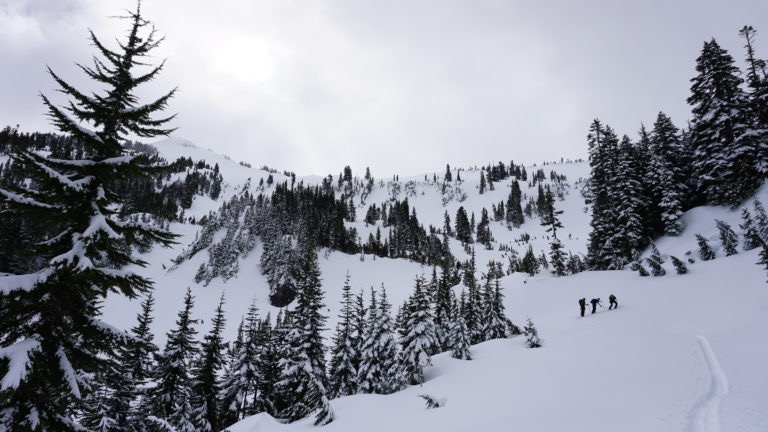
pixel 681 353
pixel 18 361
pixel 70 376
pixel 24 282
pixel 10 196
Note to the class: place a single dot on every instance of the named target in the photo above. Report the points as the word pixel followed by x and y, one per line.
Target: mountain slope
pixel 680 353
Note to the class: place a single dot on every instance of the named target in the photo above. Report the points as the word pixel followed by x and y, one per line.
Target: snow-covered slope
pixel 682 353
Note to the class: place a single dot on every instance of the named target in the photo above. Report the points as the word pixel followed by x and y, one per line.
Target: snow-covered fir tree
pixel 666 173
pixel 757 100
pixel 705 250
pixel 378 369
pixel 728 239
pixel 419 335
pixel 471 308
pixel 680 266
pixel 724 158
pixel 172 396
pixel 345 353
pixel 459 337
pixel 550 220
pixel 532 339
pixel 494 320
pixel 655 262
pixel 749 232
pixel 304 376
pixel 514 214
pixel 206 384
pixel 51 317
pixel 239 386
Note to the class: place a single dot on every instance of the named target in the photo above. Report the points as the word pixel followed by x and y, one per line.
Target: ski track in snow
pixel 705 414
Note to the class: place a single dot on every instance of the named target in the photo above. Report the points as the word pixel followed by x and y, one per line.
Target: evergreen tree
pixel 665 173
pixel 728 238
pixel 268 397
pixel 757 100
pixel 763 254
pixel 724 155
pixel 655 262
pixel 494 320
pixel 705 251
pixel 749 231
pixel 206 386
pixel 680 266
pixel 529 264
pixel 172 396
pixel 483 230
pixel 531 335
pixel 378 369
pixel 459 337
pixel 243 373
pixel 761 220
pixel 471 308
pixel 628 202
pixel 52 319
pixel 601 252
pixel 550 220
pixel 304 376
pixel 463 229
pixel 139 363
pixel 419 335
pixel 345 354
pixel 514 215
pixel 482 182
pixel 557 257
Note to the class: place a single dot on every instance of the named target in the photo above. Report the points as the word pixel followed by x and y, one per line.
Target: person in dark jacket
pixel 595 302
pixel 613 303
pixel 582 305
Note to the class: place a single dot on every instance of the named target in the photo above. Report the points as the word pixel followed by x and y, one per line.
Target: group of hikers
pixel 596 302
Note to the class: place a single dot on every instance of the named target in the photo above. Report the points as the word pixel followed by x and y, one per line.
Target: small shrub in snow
pixel 655 261
pixel 432 401
pixel 680 267
pixel 728 238
pixel 705 251
pixel 531 334
pixel 642 271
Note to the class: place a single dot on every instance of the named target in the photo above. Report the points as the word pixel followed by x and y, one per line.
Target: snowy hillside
pixel 682 352
pixel 425 197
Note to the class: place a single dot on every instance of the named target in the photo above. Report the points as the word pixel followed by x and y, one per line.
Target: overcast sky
pixel 402 86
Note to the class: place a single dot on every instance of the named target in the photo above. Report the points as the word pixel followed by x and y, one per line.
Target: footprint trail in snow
pixel 705 415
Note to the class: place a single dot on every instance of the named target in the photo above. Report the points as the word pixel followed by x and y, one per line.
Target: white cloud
pixel 400 86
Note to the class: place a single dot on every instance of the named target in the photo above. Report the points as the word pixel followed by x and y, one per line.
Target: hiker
pixel 595 302
pixel 614 304
pixel 582 305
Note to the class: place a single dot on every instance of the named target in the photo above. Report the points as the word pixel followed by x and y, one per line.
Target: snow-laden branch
pixel 76 185
pixel 23 282
pixel 77 251
pixel 56 238
pixel 20 199
pixel 99 223
pixel 70 376
pixel 18 356
pixel 116 332
pixel 81 128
